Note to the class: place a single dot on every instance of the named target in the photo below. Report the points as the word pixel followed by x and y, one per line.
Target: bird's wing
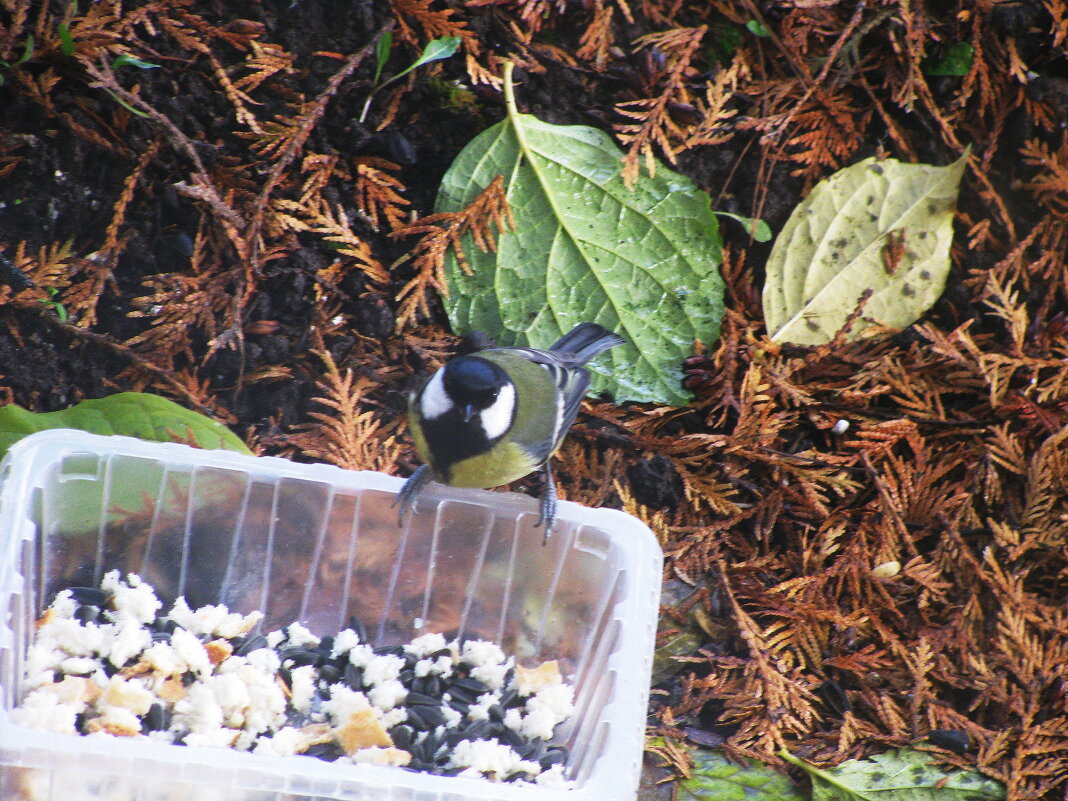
pixel 571 381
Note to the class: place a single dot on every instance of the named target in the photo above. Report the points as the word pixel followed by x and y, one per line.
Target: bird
pixel 489 418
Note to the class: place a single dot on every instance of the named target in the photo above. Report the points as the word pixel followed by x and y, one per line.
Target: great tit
pixel 494 416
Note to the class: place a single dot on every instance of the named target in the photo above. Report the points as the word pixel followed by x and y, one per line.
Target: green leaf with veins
pixel 642 262
pixel 877 233
pixel 901 775
pixel 131 414
pixel 713 777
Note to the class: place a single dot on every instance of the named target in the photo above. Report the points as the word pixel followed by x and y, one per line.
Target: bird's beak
pixel 468 411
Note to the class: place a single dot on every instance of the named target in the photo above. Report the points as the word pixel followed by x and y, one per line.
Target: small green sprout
pixel 955 62
pixel 756 27
pixel 124 59
pixel 756 228
pixel 435 50
pixel 27 51
pixel 53 304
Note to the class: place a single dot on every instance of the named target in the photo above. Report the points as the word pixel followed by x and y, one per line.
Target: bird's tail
pixel 585 341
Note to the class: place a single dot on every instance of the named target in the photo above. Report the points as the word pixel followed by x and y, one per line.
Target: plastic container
pixel 317 544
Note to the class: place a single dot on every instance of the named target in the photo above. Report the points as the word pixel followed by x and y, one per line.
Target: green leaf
pixel 382 49
pixel 643 262
pixel 901 775
pixel 66 41
pixel 435 50
pixel 756 27
pixel 716 778
pixel 27 50
pixel 882 227
pixel 955 62
pixel 132 414
pixel 665 664
pixel 758 229
pixel 124 59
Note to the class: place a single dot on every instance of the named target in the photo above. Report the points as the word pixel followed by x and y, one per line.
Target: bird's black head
pixel 473 384
pixel 465 409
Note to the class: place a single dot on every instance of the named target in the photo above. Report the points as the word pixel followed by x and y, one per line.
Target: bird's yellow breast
pixel 502 464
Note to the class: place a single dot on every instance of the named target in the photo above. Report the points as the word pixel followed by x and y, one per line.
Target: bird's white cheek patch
pixel 435 402
pixel 497 418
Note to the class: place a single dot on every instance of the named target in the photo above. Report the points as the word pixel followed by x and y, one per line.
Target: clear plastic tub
pixel 317 544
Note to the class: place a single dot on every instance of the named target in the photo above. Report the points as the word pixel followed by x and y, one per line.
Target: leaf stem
pixel 509 91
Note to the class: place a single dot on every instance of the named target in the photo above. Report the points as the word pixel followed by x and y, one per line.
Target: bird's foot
pixel 409 493
pixel 547 516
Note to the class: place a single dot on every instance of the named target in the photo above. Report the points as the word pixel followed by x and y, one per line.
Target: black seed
pixel 417 766
pixel 389 650
pixel 440 653
pixel 463 707
pixel 418 699
pixel 433 686
pixel 328 752
pixel 478 730
pixel 300 656
pixel 519 775
pixel 556 755
pixel 453 737
pixel 353 676
pixel 157 718
pixel 532 752
pixel 326 645
pixel 511 738
pixel 405 677
pixel 402 736
pixel 461 670
pixel 509 699
pixel 87 613
pixel 79 722
pixel 471 685
pixel 251 644
pixel 450 771
pixel 286 676
pixel 432 742
pixel 89 595
pixel 110 670
pixel 415 719
pixel 432 716
pixel 496 713
pixel 419 752
pixel 460 694
pixel 329 674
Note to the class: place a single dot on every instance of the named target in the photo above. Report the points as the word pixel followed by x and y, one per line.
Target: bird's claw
pixel 409 493
pixel 547 512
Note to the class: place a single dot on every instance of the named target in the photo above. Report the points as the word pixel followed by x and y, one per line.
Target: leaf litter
pixel 886 517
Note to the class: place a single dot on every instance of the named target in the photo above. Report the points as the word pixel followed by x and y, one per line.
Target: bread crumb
pixel 362 730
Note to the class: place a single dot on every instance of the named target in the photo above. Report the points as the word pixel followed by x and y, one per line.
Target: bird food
pixel 106 663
